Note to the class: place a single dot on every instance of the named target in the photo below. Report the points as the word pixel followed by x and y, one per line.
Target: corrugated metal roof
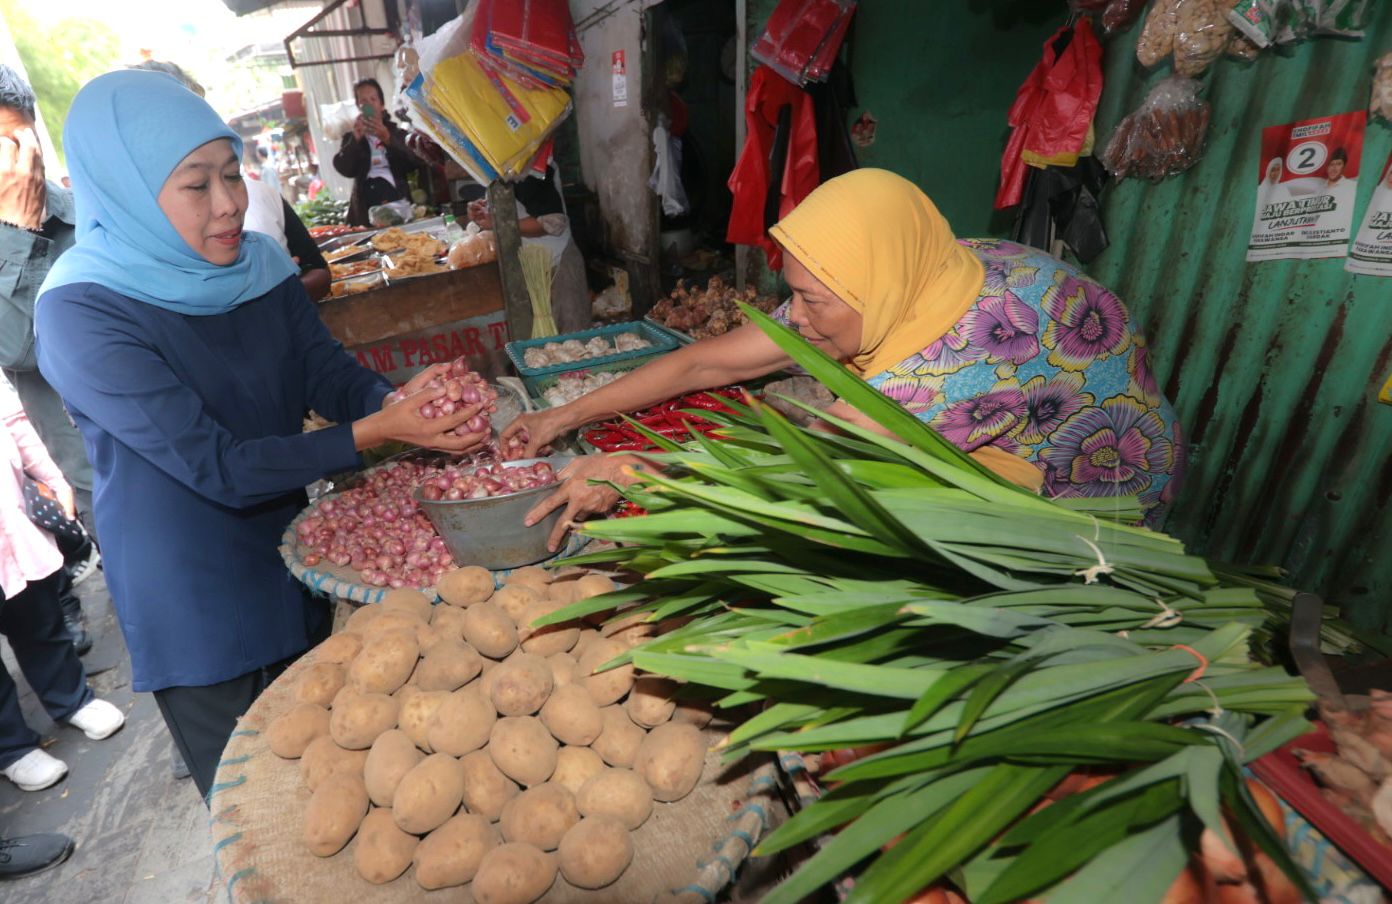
pixel 1274 367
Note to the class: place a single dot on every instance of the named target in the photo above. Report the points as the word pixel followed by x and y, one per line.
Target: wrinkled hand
pixel 580 496
pixel 359 128
pixel 542 427
pixel 22 188
pixel 405 424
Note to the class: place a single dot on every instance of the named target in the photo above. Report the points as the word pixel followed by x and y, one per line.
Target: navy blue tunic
pixel 193 427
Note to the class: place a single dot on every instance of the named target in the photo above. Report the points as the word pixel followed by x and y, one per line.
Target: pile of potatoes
pixel 458 738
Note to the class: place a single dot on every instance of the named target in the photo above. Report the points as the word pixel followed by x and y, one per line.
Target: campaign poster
pixel 1371 251
pixel 1307 188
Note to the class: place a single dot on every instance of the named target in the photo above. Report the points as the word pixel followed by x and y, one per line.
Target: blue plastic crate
pixel 661 340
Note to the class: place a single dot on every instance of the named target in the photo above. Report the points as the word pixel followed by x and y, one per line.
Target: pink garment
pixel 27 552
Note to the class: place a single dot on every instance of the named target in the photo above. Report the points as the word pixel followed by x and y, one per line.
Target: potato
pixel 486 789
pixel 619 794
pixel 462 723
pixel 428 794
pixel 650 702
pixel 592 585
pixel 291 732
pixel 670 760
pixel 539 816
pixel 450 620
pixel 514 600
pixel 606 687
pixel 575 766
pixel 618 741
pixel 466 586
pixel 417 712
pixel 323 758
pixel 451 854
pixel 386 661
pixel 530 576
pixel 320 682
pixel 394 620
pixel 630 630
pixel 523 749
pixel 393 755
pixel 345 693
pixel 340 648
pixel 693 712
pixel 587 637
pixel 356 723
pixel 571 716
pixel 450 665
pixel 521 685
pixel 360 618
pixel 562 668
pixel 550 639
pixel 489 630
pixel 412 601
pixel 383 850
pixel 564 588
pixel 595 852
pixel 428 637
pixel 513 874
pixel 333 814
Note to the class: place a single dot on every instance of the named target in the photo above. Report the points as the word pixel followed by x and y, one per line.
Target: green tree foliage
pixel 60 58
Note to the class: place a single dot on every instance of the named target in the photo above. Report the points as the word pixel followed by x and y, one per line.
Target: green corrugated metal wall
pixel 1274 367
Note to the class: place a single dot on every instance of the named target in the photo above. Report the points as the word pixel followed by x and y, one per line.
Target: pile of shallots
pixel 378 530
pixel 463 388
pixel 1358 779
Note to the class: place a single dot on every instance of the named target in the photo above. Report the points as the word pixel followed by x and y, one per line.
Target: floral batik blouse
pixel 1047 365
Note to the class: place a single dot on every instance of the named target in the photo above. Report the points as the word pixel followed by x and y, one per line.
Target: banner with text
pixel 1307 187
pixel 1371 251
pixel 483 340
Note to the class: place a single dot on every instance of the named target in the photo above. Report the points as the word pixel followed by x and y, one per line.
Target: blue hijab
pixel 125 133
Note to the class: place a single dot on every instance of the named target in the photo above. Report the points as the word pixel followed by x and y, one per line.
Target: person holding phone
pixel 374 155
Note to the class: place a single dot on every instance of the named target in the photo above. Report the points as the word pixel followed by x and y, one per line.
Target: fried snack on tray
pixel 413 263
pixel 356 268
pixel 422 243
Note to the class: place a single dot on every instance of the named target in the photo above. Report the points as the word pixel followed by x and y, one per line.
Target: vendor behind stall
pixel 374 155
pixel 542 220
pixel 187 353
pixel 1012 355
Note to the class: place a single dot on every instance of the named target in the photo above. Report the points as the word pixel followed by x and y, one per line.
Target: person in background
pixel 30 616
pixel 171 69
pixel 542 220
pixel 269 213
pixel 374 155
pixel 36 226
pixel 267 172
pixel 188 352
pixel 316 183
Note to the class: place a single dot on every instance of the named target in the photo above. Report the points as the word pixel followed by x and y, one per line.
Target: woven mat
pixel 686 852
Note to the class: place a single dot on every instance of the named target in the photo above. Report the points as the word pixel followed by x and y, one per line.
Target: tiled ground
pixel 142 837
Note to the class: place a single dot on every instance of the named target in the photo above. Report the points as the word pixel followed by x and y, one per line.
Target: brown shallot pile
pixel 712 311
pixel 1358 779
pixel 463 387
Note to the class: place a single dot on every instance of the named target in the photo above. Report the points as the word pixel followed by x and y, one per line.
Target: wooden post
pixel 741 89
pixel 502 203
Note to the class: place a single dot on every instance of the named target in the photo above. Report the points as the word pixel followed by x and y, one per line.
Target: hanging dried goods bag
pixel 1164 136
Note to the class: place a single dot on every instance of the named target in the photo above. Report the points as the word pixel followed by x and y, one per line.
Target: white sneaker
pixel 86 568
pixel 98 720
pixel 36 770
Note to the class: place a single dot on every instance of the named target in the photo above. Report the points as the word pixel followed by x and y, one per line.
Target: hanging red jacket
pixel 749 183
pixel 1053 108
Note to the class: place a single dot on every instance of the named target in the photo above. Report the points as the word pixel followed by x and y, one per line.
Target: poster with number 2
pixel 1306 189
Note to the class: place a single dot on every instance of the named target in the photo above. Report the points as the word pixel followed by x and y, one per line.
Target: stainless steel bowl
pixel 489 532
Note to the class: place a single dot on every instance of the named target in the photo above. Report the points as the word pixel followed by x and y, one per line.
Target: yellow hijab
pixel 876 240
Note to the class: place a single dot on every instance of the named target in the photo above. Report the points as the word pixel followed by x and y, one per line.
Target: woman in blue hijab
pixel 187 353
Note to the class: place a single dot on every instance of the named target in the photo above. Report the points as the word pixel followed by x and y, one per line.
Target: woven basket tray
pixel 687 852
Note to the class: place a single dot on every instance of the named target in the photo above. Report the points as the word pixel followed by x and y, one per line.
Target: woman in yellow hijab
pixel 1013 355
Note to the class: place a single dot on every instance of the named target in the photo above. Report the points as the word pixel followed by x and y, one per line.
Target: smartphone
pixel 369 110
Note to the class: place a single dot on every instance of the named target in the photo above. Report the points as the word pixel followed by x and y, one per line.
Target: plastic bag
pixel 1381 104
pixel 394 213
pixel 1195 32
pixel 1164 136
pixel 474 249
pixel 337 119
pixel 1120 14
